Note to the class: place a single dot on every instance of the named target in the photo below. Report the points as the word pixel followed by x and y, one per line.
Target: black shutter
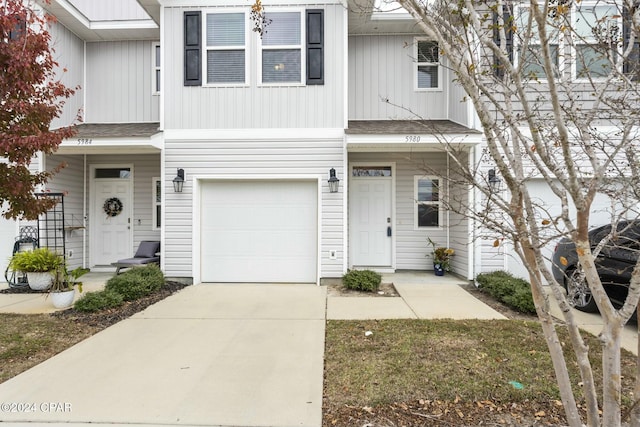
pixel 192 49
pixel 508 25
pixel 632 65
pixel 315 47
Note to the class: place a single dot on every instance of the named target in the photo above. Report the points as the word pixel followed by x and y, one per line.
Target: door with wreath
pixel 110 224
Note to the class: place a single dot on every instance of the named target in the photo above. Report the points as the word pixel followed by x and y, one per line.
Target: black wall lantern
pixel 178 181
pixel 494 181
pixel 333 181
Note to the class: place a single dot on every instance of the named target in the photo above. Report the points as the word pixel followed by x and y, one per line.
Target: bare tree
pixel 554 85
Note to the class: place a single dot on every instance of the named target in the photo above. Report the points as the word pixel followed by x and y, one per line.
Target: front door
pixel 371 223
pixel 111 215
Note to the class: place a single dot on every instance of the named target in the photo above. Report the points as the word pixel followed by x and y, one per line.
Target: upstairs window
pixel 427 212
pixel 598 29
pixel 291 50
pixel 281 45
pixel 427 65
pixel 530 57
pixel 225 46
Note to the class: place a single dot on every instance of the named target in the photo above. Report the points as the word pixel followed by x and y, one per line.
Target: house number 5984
pixel 412 138
pixel 84 141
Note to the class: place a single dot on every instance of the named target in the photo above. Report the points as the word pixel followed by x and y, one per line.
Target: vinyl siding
pixel 246 158
pixel 381 69
pixel 253 106
pixel 119 83
pixel 68 52
pixel 70 181
pixel 412 249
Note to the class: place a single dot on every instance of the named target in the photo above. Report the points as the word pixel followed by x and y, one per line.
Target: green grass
pixel 26 340
pixel 472 360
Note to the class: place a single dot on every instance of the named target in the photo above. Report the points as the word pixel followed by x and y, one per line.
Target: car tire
pixel 578 292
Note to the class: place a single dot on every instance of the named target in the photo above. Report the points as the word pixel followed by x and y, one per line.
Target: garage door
pixel 259 231
pixel 542 194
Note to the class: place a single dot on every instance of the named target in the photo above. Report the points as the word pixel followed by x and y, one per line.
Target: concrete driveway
pixel 249 355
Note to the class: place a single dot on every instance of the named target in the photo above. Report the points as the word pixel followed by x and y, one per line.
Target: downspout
pixel 474 244
pixel 84 211
pixel 448 199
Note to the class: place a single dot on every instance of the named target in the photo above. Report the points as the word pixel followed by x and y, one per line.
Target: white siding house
pixel 255 124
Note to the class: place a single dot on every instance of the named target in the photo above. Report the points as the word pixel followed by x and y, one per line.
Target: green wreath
pixel 112 206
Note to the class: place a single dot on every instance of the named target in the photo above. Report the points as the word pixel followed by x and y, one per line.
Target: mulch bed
pixel 105 318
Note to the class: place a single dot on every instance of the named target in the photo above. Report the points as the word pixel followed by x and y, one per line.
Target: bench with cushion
pixel 147 253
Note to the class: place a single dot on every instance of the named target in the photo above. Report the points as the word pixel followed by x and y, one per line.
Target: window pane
pixel 590 61
pixel 225 66
pixel 225 29
pixel 157 55
pixel 113 173
pixel 158 215
pixel 281 65
pixel 428 190
pixel 374 171
pixel 591 20
pixel 428 51
pixel 533 62
pixel 428 216
pixel 158 191
pixel 284 29
pixel 157 80
pixel 428 76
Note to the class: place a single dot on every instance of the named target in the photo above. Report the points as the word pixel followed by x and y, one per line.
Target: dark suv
pixel 614 263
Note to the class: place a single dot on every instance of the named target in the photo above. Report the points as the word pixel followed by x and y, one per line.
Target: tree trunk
pixel 553 343
pixel 611 337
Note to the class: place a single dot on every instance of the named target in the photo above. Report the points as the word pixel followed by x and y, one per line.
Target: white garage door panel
pixel 542 195
pixel 259 231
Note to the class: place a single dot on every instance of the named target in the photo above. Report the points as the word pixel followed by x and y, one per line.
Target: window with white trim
pixel 156 68
pixel 427 210
pixel 156 208
pixel 598 29
pixel 281 52
pixel 226 51
pixel 427 56
pixel 532 67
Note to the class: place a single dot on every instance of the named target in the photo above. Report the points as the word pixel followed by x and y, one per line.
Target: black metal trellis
pixel 51 225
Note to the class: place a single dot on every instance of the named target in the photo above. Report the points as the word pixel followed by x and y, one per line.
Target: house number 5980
pixel 412 138
pixel 84 141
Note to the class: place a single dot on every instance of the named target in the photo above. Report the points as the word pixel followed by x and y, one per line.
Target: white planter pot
pixel 63 299
pixel 39 281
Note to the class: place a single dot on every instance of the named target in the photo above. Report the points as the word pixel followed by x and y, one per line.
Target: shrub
pixel 514 292
pixel 101 300
pixel 136 282
pixel 362 280
pixel 38 260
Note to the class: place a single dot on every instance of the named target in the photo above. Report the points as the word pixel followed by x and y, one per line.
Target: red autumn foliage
pixel 30 98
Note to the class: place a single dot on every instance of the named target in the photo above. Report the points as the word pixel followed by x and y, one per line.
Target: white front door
pixel 111 219
pixel 370 224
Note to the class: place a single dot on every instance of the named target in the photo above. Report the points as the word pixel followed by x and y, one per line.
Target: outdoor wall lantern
pixel 333 181
pixel 178 181
pixel 494 181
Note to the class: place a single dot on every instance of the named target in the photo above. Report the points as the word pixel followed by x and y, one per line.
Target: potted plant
pixel 38 264
pixel 441 258
pixel 63 289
